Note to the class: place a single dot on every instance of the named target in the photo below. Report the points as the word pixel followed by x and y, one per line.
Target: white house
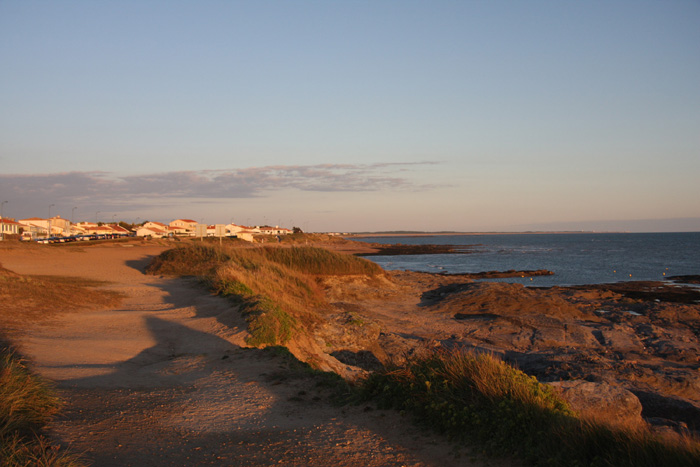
pixel 157 225
pixel 233 229
pixel 9 227
pixel 59 225
pixel 184 226
pixel 154 232
pixel 36 225
pixel 276 230
pixel 247 235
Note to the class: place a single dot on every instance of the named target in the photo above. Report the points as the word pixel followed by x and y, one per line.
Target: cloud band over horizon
pixel 30 194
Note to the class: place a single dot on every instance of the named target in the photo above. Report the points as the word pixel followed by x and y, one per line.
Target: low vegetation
pixel 276 287
pixel 483 401
pixel 27 403
pixel 38 298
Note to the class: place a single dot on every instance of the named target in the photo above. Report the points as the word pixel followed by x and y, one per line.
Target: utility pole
pixel 48 233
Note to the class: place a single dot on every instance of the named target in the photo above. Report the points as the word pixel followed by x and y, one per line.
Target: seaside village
pixel 58 229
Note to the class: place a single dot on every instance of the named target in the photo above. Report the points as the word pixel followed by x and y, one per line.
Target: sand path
pixel 163 380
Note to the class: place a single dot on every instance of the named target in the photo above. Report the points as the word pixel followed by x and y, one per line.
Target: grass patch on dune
pixel 483 401
pixel 34 298
pixel 319 261
pixel 275 286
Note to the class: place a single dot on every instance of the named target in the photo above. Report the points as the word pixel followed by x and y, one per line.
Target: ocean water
pixel 585 258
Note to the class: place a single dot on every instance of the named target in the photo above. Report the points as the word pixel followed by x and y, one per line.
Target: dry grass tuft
pixel 27 403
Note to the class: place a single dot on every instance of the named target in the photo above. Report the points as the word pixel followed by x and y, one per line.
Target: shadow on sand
pixel 194 398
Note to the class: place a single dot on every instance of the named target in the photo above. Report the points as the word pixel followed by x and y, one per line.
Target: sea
pixel 574 258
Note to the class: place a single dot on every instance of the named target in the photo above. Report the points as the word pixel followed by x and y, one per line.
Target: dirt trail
pixel 163 380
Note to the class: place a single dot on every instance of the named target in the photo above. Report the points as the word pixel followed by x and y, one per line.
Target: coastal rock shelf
pixel 640 337
pixel 378 249
pixel 501 274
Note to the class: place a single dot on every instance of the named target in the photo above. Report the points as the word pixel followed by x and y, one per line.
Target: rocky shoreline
pixel 629 347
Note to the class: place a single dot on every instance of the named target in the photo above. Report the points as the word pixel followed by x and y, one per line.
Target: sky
pixel 354 116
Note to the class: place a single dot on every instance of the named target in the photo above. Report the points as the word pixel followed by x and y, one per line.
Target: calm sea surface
pixel 574 258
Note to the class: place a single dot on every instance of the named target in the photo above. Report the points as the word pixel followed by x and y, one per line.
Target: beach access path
pixel 164 379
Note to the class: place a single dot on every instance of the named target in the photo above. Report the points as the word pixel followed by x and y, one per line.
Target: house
pixel 60 225
pixel 153 232
pixel 83 226
pixel 184 226
pixel 276 230
pixel 157 225
pixel 232 229
pixel 247 235
pixel 37 226
pixel 119 231
pixel 99 230
pixel 9 227
pixel 77 229
pixel 159 228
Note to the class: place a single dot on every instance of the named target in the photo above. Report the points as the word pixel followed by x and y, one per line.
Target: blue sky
pixel 354 116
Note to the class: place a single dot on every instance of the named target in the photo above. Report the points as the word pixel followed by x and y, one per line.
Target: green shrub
pixel 268 324
pixel 233 289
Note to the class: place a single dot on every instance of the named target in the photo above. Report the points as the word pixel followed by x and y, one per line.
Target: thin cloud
pixel 103 189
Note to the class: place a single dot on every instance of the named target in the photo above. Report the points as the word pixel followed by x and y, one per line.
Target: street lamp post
pixel 72 215
pixel 48 233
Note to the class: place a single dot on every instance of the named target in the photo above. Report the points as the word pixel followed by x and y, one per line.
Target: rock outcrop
pixel 595 399
pixel 603 344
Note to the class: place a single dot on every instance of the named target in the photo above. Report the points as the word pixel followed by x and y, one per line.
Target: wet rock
pixel 689 279
pixel 380 249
